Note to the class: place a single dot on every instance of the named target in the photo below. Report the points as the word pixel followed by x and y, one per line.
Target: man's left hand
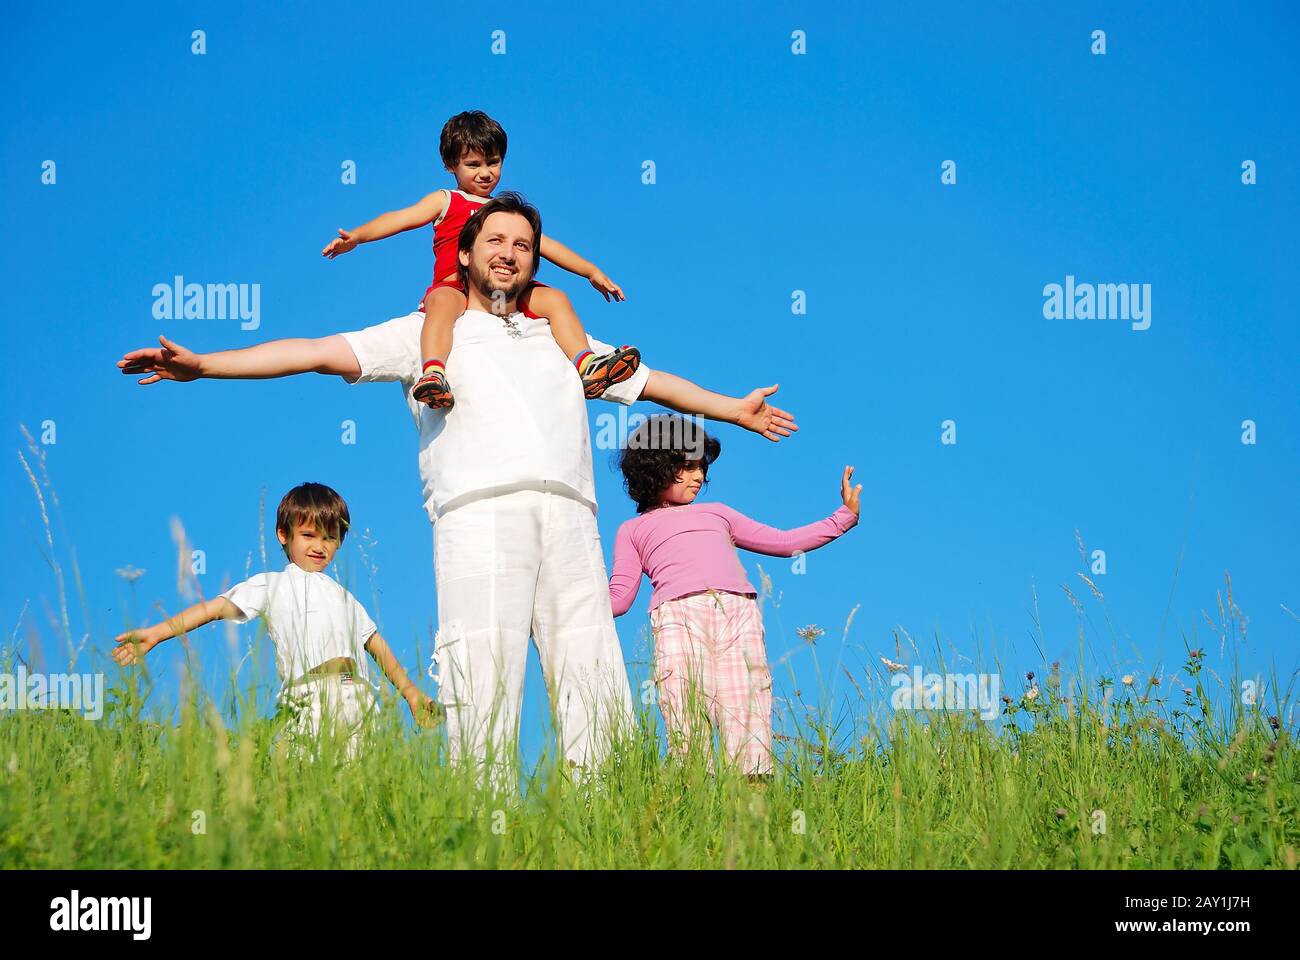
pixel 758 415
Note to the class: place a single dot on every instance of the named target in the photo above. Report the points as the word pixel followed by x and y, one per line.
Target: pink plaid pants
pixel 711 669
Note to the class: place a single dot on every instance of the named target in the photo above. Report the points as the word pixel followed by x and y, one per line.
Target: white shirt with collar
pixel 520 417
pixel 310 617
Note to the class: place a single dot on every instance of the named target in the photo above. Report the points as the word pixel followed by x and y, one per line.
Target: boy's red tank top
pixel 446 232
pixel 446 242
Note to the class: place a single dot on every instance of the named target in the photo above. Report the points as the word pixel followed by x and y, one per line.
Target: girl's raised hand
pixel 850 493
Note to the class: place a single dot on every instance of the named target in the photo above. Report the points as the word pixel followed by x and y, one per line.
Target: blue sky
pixel 775 172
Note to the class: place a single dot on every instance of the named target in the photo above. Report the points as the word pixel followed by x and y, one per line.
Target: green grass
pixel 1075 773
pixel 928 790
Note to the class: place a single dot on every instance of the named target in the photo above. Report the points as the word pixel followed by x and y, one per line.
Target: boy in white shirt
pixel 318 628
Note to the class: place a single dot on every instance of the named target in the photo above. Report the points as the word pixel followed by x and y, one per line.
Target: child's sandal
pixel 605 371
pixel 432 389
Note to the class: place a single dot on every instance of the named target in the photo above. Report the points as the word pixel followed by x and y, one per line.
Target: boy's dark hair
pixel 657 450
pixel 316 504
pixel 507 201
pixel 471 130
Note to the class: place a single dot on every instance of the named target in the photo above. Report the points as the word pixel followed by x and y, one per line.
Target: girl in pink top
pixel 709 655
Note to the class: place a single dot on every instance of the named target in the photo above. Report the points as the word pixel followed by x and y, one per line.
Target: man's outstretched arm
pixel 752 411
pixel 275 358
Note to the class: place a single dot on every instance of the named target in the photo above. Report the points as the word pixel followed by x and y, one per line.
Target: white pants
pixel 329 705
pixel 510 566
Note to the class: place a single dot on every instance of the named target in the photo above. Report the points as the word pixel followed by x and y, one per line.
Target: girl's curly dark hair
pixel 657 451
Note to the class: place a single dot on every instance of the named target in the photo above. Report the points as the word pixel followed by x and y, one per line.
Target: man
pixel 508 486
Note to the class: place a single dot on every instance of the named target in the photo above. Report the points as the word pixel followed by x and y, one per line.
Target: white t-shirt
pixel 310 618
pixel 519 417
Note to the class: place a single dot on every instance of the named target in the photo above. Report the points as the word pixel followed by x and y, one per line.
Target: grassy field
pixel 1073 772
pixel 1062 780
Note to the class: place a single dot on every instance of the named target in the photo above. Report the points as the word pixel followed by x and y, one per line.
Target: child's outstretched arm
pixel 566 259
pixel 386 224
pixel 423 708
pixel 134 644
pixel 760 538
pixel 625 581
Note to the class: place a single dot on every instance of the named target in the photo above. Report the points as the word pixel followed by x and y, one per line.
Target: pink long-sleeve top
pixel 691 548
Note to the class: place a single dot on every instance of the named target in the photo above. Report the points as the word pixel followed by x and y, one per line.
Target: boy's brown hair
pixel 316 504
pixel 471 130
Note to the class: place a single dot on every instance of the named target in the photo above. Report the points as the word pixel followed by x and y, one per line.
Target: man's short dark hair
pixel 469 131
pixel 507 202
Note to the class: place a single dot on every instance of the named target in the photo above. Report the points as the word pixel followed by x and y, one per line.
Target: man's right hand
pixel 171 361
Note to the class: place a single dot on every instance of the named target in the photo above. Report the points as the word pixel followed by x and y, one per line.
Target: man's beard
pixel 493 288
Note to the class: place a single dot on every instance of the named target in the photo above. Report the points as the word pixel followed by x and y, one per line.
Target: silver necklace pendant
pixel 512 327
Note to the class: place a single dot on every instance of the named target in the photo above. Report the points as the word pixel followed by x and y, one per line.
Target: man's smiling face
pixel 502 261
